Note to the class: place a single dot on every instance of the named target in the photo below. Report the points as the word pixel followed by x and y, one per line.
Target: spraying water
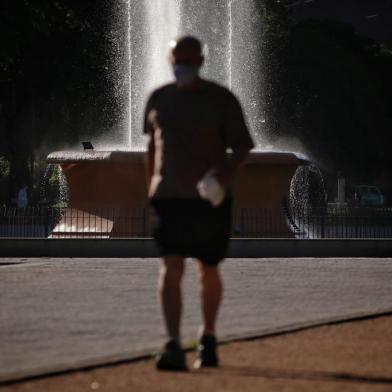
pixel 152 24
pixel 54 187
pixel 229 30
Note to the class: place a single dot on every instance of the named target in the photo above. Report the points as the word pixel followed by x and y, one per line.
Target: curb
pixel 145 247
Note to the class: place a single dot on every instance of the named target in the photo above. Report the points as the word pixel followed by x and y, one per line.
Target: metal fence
pixel 347 222
pixel 43 222
pixel 247 223
pixel 28 222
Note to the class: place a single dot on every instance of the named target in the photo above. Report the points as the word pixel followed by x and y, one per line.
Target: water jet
pixel 106 186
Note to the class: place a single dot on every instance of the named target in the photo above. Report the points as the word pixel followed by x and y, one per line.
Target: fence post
pixel 322 224
pixel 242 220
pixel 144 234
pixel 46 222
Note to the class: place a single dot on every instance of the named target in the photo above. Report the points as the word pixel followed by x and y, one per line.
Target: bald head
pixel 187 50
pixel 187 42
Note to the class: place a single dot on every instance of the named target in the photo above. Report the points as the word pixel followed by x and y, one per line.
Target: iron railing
pixel 346 222
pixel 350 222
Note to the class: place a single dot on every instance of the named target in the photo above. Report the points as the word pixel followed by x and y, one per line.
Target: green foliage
pixel 4 168
pixel 54 84
pixel 331 89
pixel 28 29
pixel 385 51
pixel 54 179
pixel 60 204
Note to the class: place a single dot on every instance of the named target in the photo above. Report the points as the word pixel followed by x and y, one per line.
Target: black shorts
pixel 192 228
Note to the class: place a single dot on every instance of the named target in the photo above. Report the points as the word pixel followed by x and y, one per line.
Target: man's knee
pixel 172 269
pixel 208 272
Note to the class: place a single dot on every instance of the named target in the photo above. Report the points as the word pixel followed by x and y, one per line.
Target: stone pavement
pixel 61 314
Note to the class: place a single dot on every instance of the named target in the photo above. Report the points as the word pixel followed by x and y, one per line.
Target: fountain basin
pixel 109 188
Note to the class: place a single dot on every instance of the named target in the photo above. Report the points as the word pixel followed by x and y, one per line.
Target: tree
pixel 53 72
pixel 330 89
pixel 336 90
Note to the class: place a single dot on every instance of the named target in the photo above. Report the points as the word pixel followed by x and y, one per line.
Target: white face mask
pixel 185 74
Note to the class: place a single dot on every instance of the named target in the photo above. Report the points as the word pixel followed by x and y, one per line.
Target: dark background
pixel 371 18
pixel 329 84
pixel 56 87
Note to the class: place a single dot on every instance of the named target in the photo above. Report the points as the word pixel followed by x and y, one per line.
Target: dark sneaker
pixel 171 358
pixel 207 355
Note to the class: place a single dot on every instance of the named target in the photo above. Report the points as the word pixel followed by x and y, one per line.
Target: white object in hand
pixel 210 189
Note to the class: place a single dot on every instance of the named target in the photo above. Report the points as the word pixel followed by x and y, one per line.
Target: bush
pixel 5 168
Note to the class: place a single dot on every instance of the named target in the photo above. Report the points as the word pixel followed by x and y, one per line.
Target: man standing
pixel 192 123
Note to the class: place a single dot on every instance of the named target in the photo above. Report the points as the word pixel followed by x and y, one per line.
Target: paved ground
pixel 345 358
pixel 59 314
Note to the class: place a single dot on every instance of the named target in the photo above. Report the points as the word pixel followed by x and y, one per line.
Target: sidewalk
pixel 69 314
pixel 354 356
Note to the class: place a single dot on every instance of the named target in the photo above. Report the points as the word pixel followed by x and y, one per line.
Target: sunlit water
pixel 229 30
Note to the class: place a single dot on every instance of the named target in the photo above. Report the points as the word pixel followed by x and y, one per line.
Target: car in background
pixel 368 195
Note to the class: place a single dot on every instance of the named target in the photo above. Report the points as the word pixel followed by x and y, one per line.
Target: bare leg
pixel 211 294
pixel 172 269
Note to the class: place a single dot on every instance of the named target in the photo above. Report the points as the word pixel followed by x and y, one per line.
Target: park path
pixel 58 314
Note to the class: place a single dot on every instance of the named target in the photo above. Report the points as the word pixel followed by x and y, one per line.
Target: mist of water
pixel 228 28
pixel 53 186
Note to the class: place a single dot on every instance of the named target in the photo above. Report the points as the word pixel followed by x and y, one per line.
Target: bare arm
pixel 235 135
pixel 225 175
pixel 150 153
pixel 149 161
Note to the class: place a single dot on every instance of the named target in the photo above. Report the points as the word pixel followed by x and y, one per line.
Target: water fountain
pixel 114 180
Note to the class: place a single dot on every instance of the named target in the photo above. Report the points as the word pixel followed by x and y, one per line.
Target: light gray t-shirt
pixel 192 131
